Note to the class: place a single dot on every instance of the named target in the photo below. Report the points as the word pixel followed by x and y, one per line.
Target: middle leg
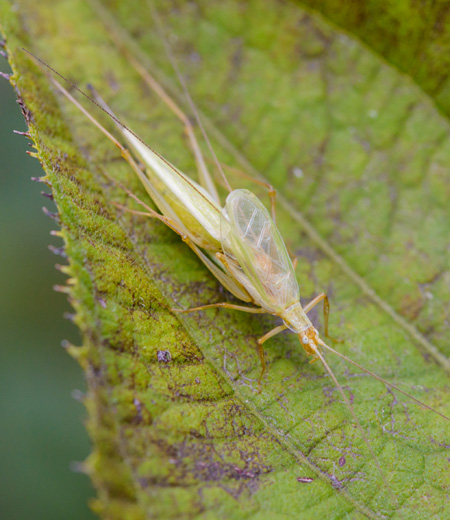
pixel 254 310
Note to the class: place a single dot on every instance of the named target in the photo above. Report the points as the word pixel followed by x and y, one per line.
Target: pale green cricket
pixel 240 243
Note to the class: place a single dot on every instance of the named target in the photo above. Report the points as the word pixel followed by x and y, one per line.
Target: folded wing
pixel 256 253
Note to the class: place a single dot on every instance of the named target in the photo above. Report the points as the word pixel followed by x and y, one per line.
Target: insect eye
pixel 305 340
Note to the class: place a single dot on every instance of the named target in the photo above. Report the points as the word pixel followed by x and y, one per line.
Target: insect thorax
pixel 295 318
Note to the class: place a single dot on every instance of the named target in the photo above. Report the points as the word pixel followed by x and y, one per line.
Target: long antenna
pixel 358 424
pixel 382 380
pixel 183 84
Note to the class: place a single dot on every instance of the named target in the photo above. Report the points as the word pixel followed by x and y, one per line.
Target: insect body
pixel 239 243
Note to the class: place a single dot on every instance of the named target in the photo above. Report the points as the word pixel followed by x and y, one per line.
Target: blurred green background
pixel 41 430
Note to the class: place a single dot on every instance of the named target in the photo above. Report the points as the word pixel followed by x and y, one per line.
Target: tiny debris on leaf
pixel 305 480
pixel 164 356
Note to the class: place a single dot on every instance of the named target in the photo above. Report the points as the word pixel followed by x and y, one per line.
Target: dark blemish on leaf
pixel 218 470
pixel 440 444
pixel 342 461
pixel 143 482
pixel 329 392
pixel 243 473
pixel 210 463
pixel 337 484
pixel 138 406
pixel 393 395
pixel 351 397
pixel 305 480
pixel 196 435
pixel 164 356
pixel 236 59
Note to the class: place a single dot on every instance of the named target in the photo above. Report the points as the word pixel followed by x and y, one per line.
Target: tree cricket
pixel 239 243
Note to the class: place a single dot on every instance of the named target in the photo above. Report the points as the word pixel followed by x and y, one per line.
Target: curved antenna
pixel 358 424
pixel 379 378
pixel 188 97
pixel 110 115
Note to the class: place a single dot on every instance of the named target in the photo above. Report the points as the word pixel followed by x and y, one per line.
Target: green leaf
pixel 360 157
pixel 414 36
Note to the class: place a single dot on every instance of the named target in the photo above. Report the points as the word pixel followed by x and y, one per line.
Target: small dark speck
pixel 342 461
pixel 305 480
pixel 164 356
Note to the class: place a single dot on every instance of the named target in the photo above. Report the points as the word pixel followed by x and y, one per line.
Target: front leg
pixel 326 312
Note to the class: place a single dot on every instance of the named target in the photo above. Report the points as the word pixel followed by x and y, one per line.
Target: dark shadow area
pixel 42 430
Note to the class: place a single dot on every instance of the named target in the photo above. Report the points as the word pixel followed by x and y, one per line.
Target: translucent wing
pixel 256 253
